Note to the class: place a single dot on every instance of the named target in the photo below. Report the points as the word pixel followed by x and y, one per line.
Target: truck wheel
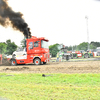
pixel 37 61
pixel 67 57
pixel 44 62
pixel 13 62
pixel 86 56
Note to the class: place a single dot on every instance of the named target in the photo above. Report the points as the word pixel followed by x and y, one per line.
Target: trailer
pixel 36 51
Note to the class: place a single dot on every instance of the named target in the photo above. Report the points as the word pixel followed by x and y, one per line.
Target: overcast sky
pixel 60 21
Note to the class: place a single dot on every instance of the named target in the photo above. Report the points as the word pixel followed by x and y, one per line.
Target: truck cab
pixel 36 51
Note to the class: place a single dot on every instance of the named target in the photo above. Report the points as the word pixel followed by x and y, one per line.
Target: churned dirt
pixel 55 67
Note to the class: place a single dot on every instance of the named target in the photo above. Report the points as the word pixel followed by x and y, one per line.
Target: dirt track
pixel 55 67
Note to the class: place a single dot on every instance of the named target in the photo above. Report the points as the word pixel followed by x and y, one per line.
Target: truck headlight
pixel 41 56
pixel 13 56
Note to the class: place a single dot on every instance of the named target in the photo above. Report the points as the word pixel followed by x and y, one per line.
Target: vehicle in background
pixel 96 51
pixel 82 53
pixel 63 54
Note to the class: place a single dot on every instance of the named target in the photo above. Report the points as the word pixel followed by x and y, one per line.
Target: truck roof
pixel 40 38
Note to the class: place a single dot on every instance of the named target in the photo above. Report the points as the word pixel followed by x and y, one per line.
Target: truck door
pixel 33 47
pixel 36 46
pixel 30 47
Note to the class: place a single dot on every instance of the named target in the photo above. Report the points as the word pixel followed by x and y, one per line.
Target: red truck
pixel 36 51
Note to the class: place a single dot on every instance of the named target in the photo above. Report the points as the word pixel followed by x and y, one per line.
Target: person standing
pixel 57 60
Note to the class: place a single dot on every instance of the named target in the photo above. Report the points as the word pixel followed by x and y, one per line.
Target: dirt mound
pixel 16 68
pixel 5 62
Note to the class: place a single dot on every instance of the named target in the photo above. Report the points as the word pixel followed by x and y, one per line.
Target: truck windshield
pixel 44 44
pixel 20 49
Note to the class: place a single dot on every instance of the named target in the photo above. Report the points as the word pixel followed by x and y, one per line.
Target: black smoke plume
pixel 10 18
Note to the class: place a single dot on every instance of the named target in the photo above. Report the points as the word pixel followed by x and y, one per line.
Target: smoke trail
pixel 10 18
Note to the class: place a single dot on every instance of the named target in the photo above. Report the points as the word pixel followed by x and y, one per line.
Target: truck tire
pixel 44 62
pixel 13 62
pixel 37 61
pixel 86 55
pixel 67 57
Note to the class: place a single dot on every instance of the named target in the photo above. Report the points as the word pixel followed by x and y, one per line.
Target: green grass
pixel 55 87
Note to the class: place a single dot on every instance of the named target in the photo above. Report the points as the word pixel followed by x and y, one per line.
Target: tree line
pixel 82 46
pixel 7 47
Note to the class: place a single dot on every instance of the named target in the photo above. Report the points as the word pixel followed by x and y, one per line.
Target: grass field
pixel 54 87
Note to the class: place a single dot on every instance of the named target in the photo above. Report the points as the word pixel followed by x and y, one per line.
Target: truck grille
pixel 47 56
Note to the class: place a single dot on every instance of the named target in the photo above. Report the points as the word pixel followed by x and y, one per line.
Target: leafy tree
pixel 23 42
pixel 82 46
pixel 3 48
pixel 54 49
pixel 72 48
pixel 75 47
pixel 11 47
pixel 94 45
pixel 69 48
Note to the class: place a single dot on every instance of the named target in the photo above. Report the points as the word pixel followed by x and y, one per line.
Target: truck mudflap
pixel 47 56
